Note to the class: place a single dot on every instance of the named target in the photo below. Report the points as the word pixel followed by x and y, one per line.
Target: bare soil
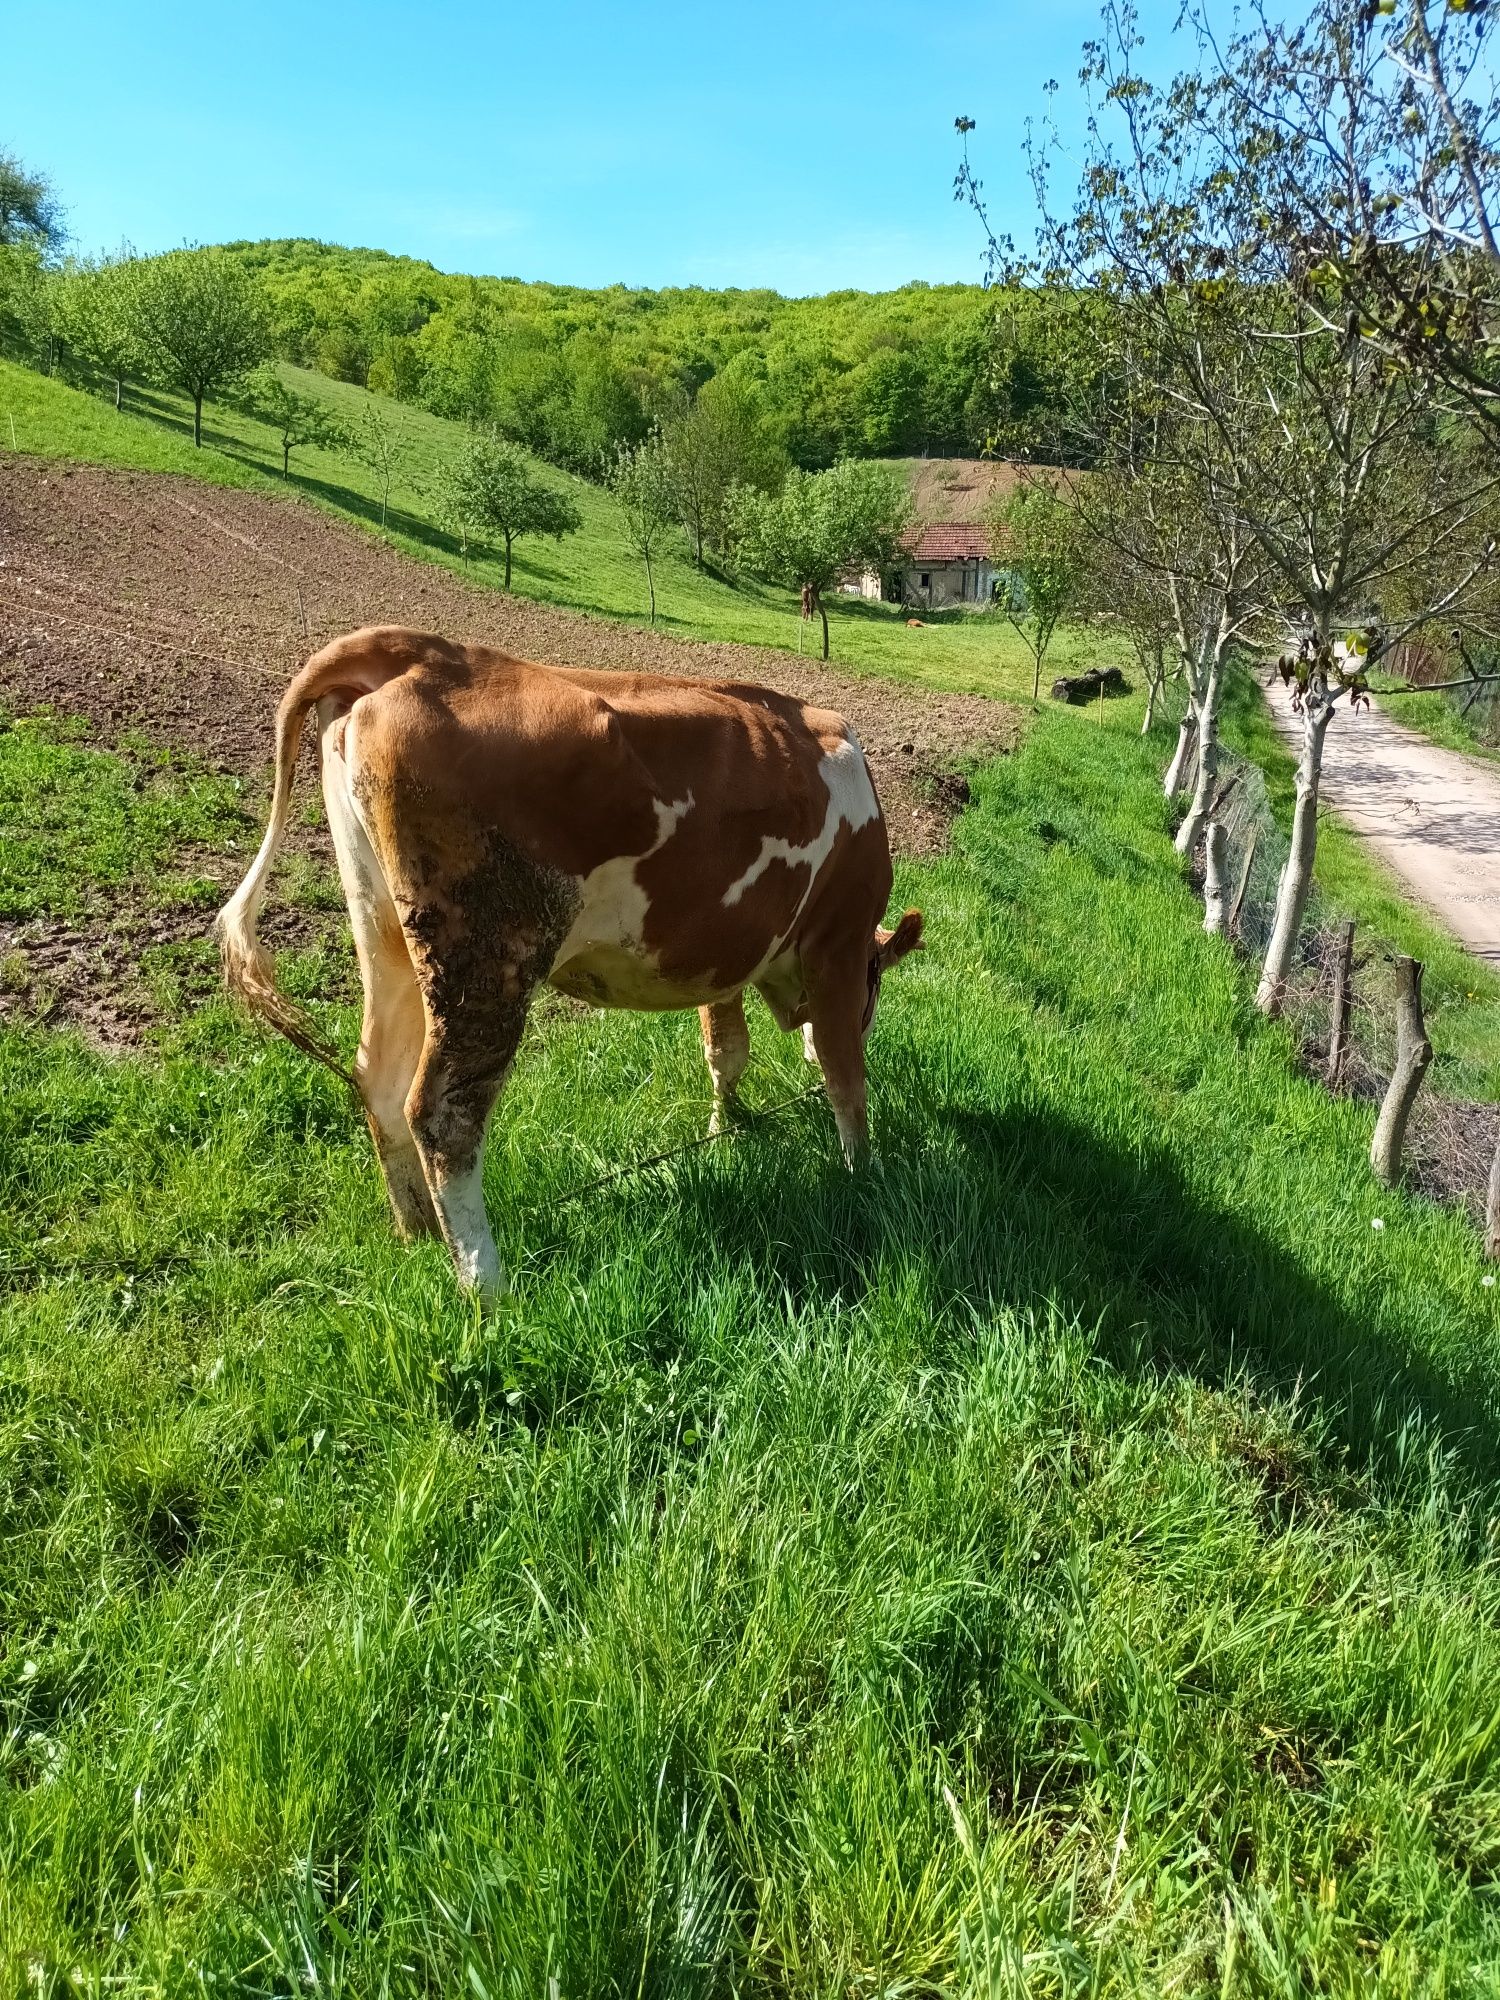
pixel 147 603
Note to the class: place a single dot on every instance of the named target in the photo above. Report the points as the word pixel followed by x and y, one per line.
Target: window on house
pixel 926 579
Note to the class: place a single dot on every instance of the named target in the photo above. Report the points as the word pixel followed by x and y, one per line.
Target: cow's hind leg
pixel 836 1006
pixel 726 1049
pixel 462 1072
pixel 395 1024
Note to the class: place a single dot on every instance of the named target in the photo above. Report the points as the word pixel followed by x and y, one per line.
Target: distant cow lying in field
pixel 633 840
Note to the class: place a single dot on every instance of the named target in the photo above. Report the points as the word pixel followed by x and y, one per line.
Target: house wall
pixel 970 581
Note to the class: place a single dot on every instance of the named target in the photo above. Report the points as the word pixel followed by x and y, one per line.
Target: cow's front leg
pixel 726 1049
pixel 837 1006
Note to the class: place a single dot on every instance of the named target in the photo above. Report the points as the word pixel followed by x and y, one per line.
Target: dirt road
pixel 1432 815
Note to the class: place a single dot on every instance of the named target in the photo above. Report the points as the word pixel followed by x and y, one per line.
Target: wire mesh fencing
pixel 1452 1136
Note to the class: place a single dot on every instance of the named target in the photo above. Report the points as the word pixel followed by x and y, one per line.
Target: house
pixel 947 556
pixel 948 562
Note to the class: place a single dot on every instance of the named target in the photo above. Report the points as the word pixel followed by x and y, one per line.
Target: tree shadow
pixel 1023 1208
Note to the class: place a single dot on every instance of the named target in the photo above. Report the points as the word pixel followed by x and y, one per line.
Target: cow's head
pixel 888 949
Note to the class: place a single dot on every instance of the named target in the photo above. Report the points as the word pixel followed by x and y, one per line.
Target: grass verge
pixel 1065 1562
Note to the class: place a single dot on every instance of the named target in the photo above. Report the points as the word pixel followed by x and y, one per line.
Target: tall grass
pixel 1064 1562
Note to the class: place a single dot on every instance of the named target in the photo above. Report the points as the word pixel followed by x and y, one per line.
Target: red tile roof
pixel 947 541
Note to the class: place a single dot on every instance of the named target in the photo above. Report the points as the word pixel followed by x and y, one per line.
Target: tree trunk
pixel 1208 764
pixel 198 420
pixel 823 614
pixel 119 392
pixel 286 457
pixel 1338 1012
pixel 507 561
pixel 1492 1209
pixel 1296 875
pixel 1215 882
pixel 651 586
pixel 1171 782
pixel 1036 680
pixel 1413 1054
pixel 1150 715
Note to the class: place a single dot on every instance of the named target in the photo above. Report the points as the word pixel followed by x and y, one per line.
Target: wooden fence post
pixel 1338 1013
pixel 1215 850
pixel 1244 882
pixel 1413 1054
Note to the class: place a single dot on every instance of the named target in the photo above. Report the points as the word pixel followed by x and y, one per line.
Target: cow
pixel 632 840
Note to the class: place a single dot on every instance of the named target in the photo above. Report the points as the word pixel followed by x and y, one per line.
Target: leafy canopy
pixel 493 488
pixel 823 523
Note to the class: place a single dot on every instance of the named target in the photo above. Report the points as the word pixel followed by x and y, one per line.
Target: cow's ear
pixel 892 946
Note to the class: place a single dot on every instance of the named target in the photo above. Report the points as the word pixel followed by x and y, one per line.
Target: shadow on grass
pixel 1019 1209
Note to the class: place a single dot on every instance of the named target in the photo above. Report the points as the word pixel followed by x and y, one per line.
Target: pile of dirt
pixel 149 603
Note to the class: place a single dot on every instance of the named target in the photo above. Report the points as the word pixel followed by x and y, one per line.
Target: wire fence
pixel 1452 1137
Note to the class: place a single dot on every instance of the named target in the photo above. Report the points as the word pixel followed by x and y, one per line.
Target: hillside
pixel 860 372
pixel 592 571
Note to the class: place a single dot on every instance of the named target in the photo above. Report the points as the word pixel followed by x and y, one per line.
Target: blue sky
pixel 806 147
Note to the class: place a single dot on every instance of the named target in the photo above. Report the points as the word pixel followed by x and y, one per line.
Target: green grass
pixel 591 571
pixel 1064 1563
pixel 80 821
pixel 1432 716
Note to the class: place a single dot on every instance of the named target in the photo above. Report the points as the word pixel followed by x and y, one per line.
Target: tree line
pixel 573 374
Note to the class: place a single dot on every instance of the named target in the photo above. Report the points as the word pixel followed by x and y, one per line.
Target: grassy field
pixel 1434 716
pixel 1067 1562
pixel 591 571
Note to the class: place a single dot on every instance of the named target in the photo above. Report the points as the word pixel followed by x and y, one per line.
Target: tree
pixel 296 419
pixel 96 316
pixel 28 303
pixel 1323 453
pixel 377 443
pixel 1035 537
pixel 493 488
pixel 641 481
pixel 1389 126
pixel 716 443
pixel 823 524
pixel 30 211
pixel 201 321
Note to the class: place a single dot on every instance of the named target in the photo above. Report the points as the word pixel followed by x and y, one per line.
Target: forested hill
pixel 572 372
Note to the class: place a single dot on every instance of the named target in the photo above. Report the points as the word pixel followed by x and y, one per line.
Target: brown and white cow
pixel 633 840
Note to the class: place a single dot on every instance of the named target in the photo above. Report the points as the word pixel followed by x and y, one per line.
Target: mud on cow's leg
pixel 461 1073
pixel 837 1007
pixel 726 1049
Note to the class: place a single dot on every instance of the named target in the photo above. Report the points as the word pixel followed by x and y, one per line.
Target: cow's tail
pixel 350 667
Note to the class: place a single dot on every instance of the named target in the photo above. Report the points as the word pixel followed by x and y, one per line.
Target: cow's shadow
pixel 1025 1209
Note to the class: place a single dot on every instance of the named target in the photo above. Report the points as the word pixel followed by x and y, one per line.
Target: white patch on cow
pixel 612 909
pixel 851 803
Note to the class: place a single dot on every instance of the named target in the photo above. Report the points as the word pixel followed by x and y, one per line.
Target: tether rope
pixel 82 1267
